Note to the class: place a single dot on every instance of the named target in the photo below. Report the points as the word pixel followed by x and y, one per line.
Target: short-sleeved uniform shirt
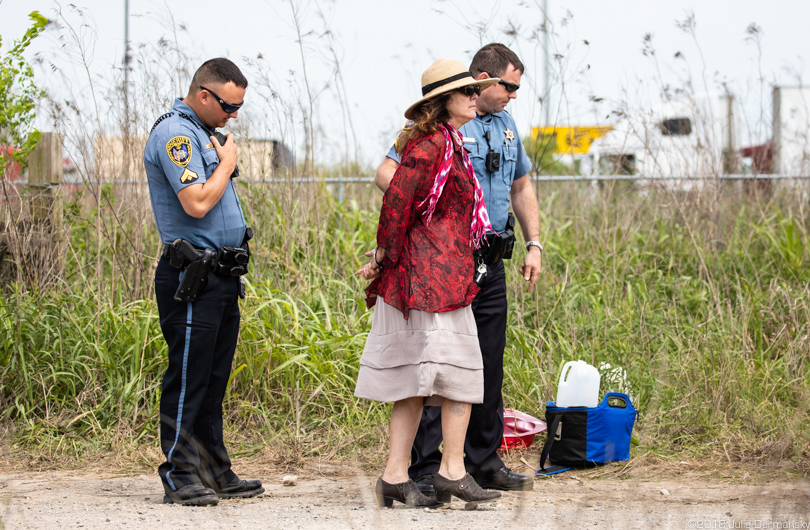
pixel 179 153
pixel 515 163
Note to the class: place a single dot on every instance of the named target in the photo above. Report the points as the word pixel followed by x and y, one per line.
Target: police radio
pixel 221 138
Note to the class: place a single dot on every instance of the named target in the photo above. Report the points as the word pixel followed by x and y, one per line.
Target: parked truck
pixel 692 136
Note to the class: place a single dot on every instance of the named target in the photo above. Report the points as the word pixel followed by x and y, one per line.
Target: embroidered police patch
pixel 188 176
pixel 179 149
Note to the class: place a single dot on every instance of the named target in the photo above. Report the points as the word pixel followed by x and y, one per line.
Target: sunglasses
pixel 510 87
pixel 469 90
pixel 226 107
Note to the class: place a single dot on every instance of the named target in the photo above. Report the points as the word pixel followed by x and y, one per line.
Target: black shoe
pixel 404 492
pixel 465 489
pixel 425 485
pixel 241 488
pixel 504 479
pixel 191 495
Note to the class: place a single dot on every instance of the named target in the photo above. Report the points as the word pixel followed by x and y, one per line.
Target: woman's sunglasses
pixel 469 90
pixel 226 107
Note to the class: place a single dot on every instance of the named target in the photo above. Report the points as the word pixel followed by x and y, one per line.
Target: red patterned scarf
pixel 480 223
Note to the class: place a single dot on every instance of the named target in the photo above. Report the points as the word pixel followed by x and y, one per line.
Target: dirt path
pixel 339 498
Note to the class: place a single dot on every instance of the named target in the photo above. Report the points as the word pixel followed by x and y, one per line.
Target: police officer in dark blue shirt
pixel 189 167
pixel 501 166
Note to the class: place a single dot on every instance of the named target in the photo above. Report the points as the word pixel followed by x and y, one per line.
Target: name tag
pixel 468 140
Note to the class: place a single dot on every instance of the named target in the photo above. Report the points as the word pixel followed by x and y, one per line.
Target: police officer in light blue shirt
pixel 501 166
pixel 179 154
pixel 189 168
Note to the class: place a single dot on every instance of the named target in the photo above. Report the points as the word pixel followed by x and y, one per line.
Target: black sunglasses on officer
pixel 226 107
pixel 510 87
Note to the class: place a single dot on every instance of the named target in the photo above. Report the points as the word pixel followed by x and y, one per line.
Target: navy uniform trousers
pixel 485 431
pixel 202 339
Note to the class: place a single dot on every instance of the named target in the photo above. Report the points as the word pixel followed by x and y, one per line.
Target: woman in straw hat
pixel 423 345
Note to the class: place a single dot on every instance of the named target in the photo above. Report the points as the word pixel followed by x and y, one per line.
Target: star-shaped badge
pixel 509 135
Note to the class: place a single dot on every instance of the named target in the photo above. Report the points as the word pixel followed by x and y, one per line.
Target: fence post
pixel 45 177
pixel 44 258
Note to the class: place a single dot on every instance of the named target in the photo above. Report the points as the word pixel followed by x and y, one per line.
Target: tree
pixel 18 97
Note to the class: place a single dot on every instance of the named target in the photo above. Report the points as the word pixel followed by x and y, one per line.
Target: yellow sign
pixel 572 140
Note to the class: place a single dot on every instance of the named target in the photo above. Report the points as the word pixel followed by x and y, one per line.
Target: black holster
pixel 195 264
pixel 499 246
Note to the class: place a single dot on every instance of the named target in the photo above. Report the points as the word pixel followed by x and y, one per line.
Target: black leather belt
pixel 226 261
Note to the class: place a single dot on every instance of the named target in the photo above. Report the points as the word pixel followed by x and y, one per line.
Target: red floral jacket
pixel 426 267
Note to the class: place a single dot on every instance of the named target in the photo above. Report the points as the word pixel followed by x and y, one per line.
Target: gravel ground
pixel 342 499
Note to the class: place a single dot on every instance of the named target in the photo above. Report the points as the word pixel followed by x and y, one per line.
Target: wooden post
pixel 45 178
pixel 41 250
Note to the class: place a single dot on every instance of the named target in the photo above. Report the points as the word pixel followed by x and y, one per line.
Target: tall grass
pixel 707 313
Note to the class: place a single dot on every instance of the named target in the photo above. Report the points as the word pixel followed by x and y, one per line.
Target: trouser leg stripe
pixel 182 396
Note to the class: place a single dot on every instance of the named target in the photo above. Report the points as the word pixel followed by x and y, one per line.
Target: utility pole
pixel 546 69
pixel 126 127
pixel 126 60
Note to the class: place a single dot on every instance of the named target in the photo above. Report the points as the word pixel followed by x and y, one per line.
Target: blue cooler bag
pixel 583 437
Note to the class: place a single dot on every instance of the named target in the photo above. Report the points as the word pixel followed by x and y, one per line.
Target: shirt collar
pixel 179 106
pixel 487 118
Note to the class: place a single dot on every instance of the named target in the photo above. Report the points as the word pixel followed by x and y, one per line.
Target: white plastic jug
pixel 579 385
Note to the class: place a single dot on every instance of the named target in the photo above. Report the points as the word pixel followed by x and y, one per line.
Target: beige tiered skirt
pixel 435 355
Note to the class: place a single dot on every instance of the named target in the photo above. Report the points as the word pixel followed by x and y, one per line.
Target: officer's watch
pixel 534 244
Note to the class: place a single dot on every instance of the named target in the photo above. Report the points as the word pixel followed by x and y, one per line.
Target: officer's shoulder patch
pixel 188 176
pixel 179 150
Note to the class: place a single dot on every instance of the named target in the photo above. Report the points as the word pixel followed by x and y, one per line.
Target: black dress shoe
pixel 241 489
pixel 425 484
pixel 405 492
pixel 504 479
pixel 465 489
pixel 191 495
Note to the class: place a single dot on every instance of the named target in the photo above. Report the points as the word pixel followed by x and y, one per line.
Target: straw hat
pixel 446 75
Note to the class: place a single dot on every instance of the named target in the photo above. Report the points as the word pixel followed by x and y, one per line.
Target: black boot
pixel 238 488
pixel 190 495
pixel 507 480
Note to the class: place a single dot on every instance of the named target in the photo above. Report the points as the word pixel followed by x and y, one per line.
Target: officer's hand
pixel 228 153
pixel 532 265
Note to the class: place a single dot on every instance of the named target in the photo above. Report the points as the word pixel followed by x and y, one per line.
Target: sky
pixel 358 63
